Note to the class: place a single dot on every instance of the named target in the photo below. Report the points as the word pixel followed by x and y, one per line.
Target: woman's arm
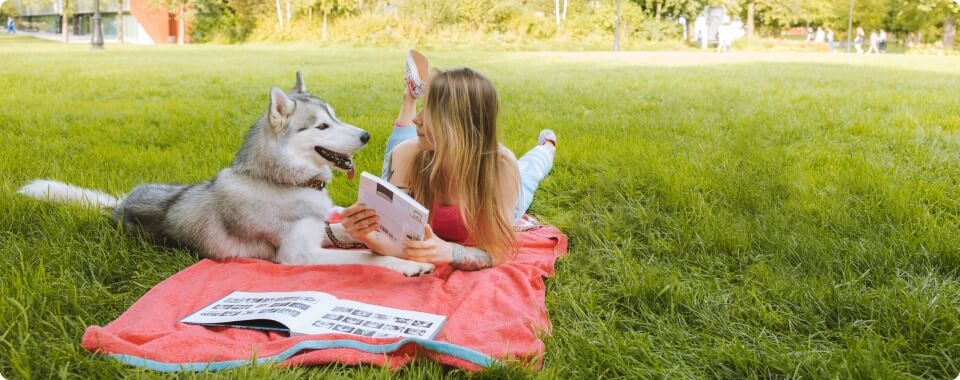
pixel 362 224
pixel 437 251
pixel 469 258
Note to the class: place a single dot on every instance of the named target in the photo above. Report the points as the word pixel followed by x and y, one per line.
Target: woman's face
pixel 424 137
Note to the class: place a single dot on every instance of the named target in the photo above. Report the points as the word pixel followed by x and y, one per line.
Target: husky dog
pixel 271 203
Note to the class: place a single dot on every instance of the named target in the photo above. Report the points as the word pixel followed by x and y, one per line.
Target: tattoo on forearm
pixel 465 258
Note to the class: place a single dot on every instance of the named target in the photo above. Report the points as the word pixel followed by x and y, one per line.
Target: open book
pixel 306 313
pixel 401 216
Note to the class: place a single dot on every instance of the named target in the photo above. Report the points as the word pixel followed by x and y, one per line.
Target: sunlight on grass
pixel 730 216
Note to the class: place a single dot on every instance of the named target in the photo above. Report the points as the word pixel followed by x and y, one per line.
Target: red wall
pixel 159 24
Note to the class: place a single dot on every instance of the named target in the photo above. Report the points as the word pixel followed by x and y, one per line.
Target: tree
pixel 184 9
pixel 279 15
pixel 920 14
pixel 330 8
pixel 773 13
pixel 120 21
pixel 66 13
pixel 556 11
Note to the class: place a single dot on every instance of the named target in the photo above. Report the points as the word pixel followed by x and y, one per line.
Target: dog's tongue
pixel 350 174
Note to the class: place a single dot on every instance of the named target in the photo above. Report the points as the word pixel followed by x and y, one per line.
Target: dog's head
pixel 309 130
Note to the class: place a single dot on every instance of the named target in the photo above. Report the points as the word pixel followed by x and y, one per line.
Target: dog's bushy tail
pixel 60 192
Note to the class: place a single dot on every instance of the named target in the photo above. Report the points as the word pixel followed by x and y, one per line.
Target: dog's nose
pixel 365 137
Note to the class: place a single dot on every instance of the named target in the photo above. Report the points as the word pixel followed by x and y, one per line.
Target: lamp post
pixel 616 29
pixel 850 26
pixel 96 41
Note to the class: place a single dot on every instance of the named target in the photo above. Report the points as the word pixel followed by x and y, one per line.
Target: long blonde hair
pixel 460 111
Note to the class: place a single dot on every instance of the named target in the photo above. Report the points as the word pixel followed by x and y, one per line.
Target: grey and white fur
pixel 271 203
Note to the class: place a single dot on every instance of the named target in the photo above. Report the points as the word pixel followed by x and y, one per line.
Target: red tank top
pixel 448 224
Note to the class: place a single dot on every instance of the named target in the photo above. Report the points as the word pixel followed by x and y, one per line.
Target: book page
pixel 282 307
pixel 400 215
pixel 361 319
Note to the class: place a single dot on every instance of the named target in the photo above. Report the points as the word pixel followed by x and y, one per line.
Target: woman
pixel 449 160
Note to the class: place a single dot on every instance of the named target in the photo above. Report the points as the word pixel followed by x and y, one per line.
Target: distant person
pixel 820 36
pixel 700 31
pixel 830 37
pixel 883 41
pixel 809 33
pixel 724 37
pixel 874 42
pixel 858 42
pixel 10 24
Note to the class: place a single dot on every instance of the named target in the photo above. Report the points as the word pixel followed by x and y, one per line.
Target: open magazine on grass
pixel 307 313
pixel 401 216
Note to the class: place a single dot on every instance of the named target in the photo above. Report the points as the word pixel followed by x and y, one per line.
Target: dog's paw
pixel 408 268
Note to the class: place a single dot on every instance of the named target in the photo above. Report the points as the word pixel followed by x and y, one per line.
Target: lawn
pixel 730 216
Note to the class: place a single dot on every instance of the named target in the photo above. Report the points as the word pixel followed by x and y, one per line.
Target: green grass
pixel 730 216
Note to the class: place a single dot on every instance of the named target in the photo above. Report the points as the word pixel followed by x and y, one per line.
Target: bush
pixel 227 21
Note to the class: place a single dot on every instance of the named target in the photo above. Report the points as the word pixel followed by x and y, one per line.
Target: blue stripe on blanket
pixel 432 345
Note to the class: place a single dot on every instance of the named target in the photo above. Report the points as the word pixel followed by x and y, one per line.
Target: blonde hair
pixel 460 110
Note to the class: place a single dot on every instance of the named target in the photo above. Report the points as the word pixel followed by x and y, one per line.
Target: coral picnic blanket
pixel 492 314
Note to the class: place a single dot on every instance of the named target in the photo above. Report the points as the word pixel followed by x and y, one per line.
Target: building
pixel 143 21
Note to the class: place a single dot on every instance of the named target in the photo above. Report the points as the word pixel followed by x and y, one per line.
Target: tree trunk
pixel 949 31
pixel 616 29
pixel 556 10
pixel 120 22
pixel 310 15
pixel 65 25
pixel 288 12
pixel 324 25
pixel 751 8
pixel 564 15
pixel 279 15
pixel 658 10
pixel 690 31
pixel 181 25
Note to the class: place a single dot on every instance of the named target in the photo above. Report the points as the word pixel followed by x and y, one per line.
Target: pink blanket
pixel 492 314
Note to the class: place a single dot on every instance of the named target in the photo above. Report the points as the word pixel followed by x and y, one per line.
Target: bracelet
pixel 336 242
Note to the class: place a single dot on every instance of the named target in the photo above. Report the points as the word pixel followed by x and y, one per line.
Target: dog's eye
pixel 323 126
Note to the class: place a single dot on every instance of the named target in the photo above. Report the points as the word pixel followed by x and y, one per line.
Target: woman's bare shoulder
pixel 509 162
pixel 405 151
pixel 507 155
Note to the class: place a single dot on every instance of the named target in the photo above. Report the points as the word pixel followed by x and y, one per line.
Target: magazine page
pixel 262 307
pixel 400 215
pixel 361 319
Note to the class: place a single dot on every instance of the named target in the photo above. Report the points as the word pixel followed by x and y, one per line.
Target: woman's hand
pixel 360 222
pixel 431 249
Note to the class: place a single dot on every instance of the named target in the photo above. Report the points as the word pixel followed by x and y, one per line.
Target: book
pixel 308 313
pixel 401 216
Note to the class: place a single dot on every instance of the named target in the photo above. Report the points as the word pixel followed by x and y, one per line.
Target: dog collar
pixel 315 183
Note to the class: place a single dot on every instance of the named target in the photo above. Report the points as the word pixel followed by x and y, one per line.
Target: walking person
pixel 883 41
pixel 874 42
pixel 830 37
pixel 10 26
pixel 858 42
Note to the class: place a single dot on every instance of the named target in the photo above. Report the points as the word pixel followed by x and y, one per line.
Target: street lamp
pixel 850 26
pixel 96 40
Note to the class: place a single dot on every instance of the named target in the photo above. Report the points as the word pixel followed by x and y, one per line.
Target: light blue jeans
pixel 534 166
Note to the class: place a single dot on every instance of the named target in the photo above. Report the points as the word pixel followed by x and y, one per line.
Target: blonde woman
pixel 448 158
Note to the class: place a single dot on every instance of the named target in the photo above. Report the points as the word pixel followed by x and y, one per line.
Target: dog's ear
pixel 281 107
pixel 299 87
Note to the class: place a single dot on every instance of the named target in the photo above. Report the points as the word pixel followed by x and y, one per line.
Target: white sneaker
pixel 545 136
pixel 417 71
